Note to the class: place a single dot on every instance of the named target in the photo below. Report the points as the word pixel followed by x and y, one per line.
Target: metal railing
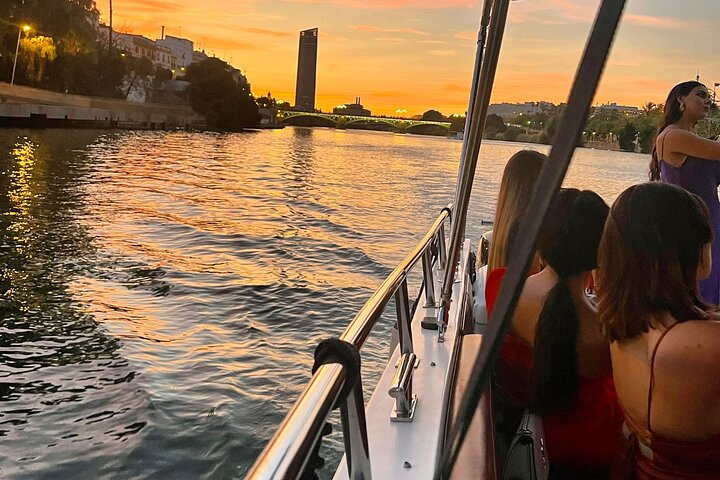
pixel 288 452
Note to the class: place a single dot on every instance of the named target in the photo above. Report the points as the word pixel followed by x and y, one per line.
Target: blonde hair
pixel 518 181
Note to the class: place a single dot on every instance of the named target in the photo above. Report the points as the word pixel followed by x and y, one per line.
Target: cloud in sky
pixel 372 28
pixel 395 4
pixel 661 22
pixel 267 32
pixel 470 36
pixel 396 40
pixel 552 12
pixel 443 53
pixel 381 48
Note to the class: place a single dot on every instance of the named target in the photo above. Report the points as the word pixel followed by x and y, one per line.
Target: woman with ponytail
pixel 572 385
pixel 683 158
pixel 567 359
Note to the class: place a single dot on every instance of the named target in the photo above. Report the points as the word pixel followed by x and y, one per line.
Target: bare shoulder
pixel 673 135
pixel 680 141
pixel 528 309
pixel 692 346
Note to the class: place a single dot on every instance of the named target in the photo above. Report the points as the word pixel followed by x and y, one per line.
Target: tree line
pixel 62 52
pixel 631 132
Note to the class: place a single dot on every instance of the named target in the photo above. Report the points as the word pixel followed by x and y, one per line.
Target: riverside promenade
pixel 22 106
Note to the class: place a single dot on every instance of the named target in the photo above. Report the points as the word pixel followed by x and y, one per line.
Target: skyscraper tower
pixel 307 66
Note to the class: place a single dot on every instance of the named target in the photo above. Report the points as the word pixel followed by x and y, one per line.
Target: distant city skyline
pixel 416 55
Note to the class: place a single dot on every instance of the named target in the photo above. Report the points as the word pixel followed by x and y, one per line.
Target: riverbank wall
pixel 27 107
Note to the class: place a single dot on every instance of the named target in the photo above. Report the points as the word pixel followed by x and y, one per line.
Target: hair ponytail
pixel 555 377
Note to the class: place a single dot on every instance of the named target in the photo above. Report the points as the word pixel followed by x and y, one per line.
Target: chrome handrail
pixel 361 326
pixel 288 452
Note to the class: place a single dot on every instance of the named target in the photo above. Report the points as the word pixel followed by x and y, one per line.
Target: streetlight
pixel 24 28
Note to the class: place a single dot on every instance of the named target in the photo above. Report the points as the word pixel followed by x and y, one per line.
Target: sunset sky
pixel 415 55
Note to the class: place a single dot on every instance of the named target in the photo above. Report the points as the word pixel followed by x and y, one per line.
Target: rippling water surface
pixel 162 293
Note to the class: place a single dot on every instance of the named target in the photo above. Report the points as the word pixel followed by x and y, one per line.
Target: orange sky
pixel 415 55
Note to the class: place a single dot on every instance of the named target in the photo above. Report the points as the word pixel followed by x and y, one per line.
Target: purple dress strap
pixel 702 178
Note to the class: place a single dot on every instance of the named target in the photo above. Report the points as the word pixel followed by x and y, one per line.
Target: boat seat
pixel 476 458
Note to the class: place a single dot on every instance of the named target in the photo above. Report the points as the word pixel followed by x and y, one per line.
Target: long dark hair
pixel 569 244
pixel 671 114
pixel 649 257
pixel 518 181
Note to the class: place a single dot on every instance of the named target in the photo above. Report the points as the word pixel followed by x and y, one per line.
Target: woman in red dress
pixel 556 360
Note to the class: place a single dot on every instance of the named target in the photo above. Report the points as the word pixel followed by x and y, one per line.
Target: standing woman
pixel 683 158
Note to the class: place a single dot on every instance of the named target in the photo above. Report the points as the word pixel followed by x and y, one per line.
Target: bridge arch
pixel 340 121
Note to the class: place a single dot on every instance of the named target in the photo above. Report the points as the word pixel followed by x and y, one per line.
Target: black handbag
pixel 527 457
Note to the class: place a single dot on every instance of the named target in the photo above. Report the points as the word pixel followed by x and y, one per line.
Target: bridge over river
pixel 341 121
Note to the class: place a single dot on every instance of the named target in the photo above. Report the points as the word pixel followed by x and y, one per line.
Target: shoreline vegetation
pixel 28 107
pixel 63 51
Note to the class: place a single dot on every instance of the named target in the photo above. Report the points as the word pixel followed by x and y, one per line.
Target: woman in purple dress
pixel 683 158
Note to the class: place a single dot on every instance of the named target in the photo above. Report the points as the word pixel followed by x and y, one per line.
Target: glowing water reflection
pixel 162 292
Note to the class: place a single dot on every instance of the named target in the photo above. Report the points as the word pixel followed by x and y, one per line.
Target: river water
pixel 162 292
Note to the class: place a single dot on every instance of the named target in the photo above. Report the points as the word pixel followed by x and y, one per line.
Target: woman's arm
pixel 683 142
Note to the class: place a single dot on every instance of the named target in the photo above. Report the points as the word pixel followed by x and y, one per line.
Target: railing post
pixel 401 390
pixel 402 307
pixel 357 450
pixel 288 452
pixel 442 251
pixel 428 280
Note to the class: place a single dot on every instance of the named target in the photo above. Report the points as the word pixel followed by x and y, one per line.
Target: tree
pixel 266 102
pixel 495 122
pixel 626 137
pixel 226 103
pixel 650 108
pixel 433 116
pixel 61 50
pixel 162 75
pixel 457 123
pixel 511 133
pixel 547 136
pixel 647 124
pixel 602 122
pixel 137 67
pixel 64 20
pixel 36 53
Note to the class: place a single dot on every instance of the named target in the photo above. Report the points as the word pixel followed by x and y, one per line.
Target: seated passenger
pixel 516 187
pixel 567 376
pixel 665 340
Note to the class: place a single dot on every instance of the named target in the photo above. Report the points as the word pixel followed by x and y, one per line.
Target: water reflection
pixel 51 352
pixel 162 292
pixel 299 166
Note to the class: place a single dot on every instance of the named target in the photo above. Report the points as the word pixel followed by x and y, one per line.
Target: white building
pixel 165 57
pixel 509 111
pixel 199 56
pixel 614 107
pixel 181 49
pixel 139 46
